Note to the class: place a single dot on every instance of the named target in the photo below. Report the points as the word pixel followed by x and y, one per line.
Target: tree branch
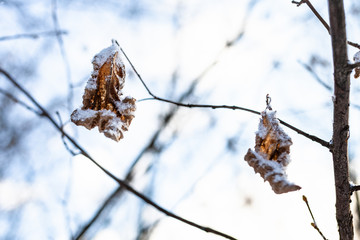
pixel 324 23
pixel 188 105
pixel 351 66
pixel 152 145
pixel 341 119
pixel 315 226
pixel 355 188
pixel 33 35
pixel 317 78
pixel 63 137
pixel 119 181
pixel 16 100
pixel 316 13
pixel 353 44
pixel 63 54
pixel 116 194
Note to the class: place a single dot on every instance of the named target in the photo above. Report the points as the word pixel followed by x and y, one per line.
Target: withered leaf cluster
pixel 271 155
pixel 357 72
pixel 357 60
pixel 103 103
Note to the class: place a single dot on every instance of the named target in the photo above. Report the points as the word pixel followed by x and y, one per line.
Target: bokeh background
pixel 188 160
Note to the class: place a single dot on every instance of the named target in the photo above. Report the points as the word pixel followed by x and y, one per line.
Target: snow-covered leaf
pixel 103 104
pixel 271 155
pixel 357 60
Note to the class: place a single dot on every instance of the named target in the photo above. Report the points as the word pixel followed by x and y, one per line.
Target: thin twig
pixel 309 136
pixel 312 216
pixel 63 54
pixel 150 147
pixel 353 44
pixel 115 195
pixel 188 105
pixel 355 188
pixel 351 66
pixel 153 145
pixel 63 137
pixel 33 35
pixel 119 181
pixel 191 105
pixel 316 13
pixel 317 78
pixel 321 19
pixel 16 100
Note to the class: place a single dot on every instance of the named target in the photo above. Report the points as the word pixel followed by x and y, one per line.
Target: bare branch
pixel 317 78
pixel 351 66
pixel 312 216
pixel 309 136
pixel 152 144
pixel 353 44
pixel 180 104
pixel 15 100
pixel 119 181
pixel 355 188
pixel 63 137
pixel 321 19
pixel 316 13
pixel 34 35
pixel 63 54
pixel 114 195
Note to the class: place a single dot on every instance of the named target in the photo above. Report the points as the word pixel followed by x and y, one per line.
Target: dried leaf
pixel 271 155
pixel 357 60
pixel 357 73
pixel 103 103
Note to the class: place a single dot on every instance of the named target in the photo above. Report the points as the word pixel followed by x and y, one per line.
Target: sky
pixel 196 167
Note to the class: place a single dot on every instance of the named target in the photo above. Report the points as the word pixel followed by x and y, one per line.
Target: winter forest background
pixel 188 160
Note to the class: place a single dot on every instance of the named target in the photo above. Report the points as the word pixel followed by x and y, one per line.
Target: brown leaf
pixel 357 60
pixel 103 104
pixel 271 155
pixel 357 73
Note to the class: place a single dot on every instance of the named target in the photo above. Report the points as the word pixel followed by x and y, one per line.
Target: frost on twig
pixel 103 103
pixel 271 155
pixel 357 60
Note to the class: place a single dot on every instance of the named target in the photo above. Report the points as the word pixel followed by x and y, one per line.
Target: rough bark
pixel 341 119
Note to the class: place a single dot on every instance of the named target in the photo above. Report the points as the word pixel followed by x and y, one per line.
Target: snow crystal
pixel 357 57
pixel 280 178
pixel 91 83
pixel 275 126
pixel 83 114
pixel 271 171
pixel 124 107
pixel 106 120
pixel 263 162
pixel 113 129
pixel 100 58
pixel 108 113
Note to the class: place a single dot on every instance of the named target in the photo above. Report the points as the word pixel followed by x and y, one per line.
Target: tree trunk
pixel 341 119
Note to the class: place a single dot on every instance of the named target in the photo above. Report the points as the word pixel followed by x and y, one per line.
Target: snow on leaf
pixel 357 57
pixel 271 155
pixel 103 104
